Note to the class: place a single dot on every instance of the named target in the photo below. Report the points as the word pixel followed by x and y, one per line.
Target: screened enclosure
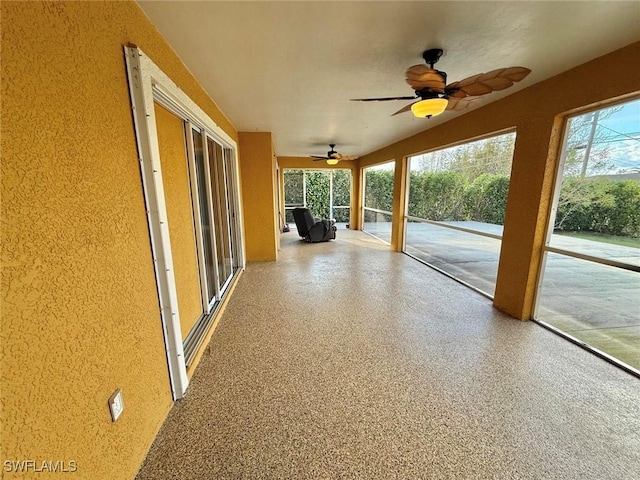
pixel 590 279
pixel 327 193
pixel 456 207
pixel 378 200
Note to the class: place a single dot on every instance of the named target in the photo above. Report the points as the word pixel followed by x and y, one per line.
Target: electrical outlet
pixel 116 404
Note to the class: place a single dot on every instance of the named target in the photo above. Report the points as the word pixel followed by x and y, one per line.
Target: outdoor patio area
pixel 593 303
pixel 344 359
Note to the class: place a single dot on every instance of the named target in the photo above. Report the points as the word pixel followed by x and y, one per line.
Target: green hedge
pixel 437 196
pixel 317 184
pixel 599 205
pixel 450 196
pixel 379 189
pixel 485 200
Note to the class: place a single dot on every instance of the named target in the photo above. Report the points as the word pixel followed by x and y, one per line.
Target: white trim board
pixel 147 83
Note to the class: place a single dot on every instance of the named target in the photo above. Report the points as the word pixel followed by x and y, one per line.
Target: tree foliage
pixel 487 156
pixel 471 182
pixel 316 185
pixel 589 202
pixel 293 187
pixel 342 195
pixel 378 192
pixel 450 196
pixel 599 205
pixel 485 199
pixel 437 195
pixel 318 193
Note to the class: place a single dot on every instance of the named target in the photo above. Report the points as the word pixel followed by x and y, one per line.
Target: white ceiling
pixel 290 68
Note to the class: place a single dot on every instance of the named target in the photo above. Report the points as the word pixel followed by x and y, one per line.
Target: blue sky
pixel 622 125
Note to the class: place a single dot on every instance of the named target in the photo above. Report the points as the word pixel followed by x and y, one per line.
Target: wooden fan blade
pixel 476 89
pixel 484 83
pixel 436 86
pixel 406 108
pixel 349 157
pixel 421 76
pixel 492 74
pixel 457 104
pixel 515 74
pixel 469 80
pixel 503 77
pixel 453 101
pixel 453 91
pixel 315 158
pixel 498 83
pixel 428 74
pixel 472 87
pixel 383 99
pixel 419 69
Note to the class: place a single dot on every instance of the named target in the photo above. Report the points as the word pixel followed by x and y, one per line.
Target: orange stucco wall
pixel 537 113
pixel 257 177
pixel 80 311
pixel 79 304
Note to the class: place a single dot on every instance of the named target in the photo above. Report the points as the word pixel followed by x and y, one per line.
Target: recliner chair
pixel 311 229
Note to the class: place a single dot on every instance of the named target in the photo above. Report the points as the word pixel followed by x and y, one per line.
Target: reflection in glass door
pixel 220 210
pixel 205 224
pixel 233 203
pixel 214 196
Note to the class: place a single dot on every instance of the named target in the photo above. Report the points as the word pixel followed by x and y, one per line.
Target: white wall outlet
pixel 116 404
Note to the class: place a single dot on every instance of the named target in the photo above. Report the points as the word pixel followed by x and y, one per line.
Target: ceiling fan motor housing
pixel 432 56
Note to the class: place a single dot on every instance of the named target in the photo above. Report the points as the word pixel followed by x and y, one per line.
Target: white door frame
pixel 147 83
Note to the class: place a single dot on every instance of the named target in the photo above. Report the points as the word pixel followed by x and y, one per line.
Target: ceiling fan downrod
pixel 432 56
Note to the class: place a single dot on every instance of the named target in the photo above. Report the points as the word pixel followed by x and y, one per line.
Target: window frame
pixel 546 249
pixel 406 217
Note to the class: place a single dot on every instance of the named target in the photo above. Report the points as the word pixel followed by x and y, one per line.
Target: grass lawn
pixel 597 237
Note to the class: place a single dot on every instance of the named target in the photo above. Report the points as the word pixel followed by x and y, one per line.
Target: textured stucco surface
pixel 79 303
pixel 175 175
pixel 257 171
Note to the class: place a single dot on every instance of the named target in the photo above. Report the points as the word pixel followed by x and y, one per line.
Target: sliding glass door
pixel 220 205
pixel 215 202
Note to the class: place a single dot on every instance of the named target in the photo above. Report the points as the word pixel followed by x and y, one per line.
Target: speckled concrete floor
pixel 346 360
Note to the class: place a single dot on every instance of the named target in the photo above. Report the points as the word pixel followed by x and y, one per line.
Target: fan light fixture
pixel 429 107
pixel 333 161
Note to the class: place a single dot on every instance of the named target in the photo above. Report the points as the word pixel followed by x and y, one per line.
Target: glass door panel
pixel 220 210
pixel 206 223
pixel 173 157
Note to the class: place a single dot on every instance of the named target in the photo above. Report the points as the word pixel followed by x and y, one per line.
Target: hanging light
pixel 333 161
pixel 429 107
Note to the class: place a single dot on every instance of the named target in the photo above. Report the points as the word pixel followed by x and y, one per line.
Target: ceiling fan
pixel 434 96
pixel 333 157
